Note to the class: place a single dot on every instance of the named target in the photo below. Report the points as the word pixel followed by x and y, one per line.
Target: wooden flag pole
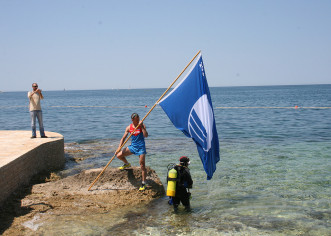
pixel 143 120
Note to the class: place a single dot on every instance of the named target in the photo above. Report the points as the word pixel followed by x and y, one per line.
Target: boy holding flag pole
pixel 200 123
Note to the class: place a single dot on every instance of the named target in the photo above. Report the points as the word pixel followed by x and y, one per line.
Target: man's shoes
pixel 127 165
pixel 44 136
pixel 33 136
pixel 143 187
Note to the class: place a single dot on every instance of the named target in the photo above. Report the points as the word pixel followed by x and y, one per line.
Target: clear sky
pixel 75 44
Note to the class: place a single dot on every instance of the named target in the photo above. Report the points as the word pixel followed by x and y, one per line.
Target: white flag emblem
pixel 205 114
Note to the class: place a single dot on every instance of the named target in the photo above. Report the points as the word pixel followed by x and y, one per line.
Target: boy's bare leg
pixel 142 167
pixel 124 153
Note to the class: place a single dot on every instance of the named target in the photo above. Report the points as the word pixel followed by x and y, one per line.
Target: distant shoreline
pixel 111 89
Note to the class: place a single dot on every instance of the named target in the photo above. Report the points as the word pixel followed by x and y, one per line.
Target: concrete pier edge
pixel 22 157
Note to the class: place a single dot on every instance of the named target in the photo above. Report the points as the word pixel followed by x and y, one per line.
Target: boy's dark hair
pixel 134 115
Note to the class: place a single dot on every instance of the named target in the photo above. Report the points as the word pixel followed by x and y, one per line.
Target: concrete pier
pixel 22 157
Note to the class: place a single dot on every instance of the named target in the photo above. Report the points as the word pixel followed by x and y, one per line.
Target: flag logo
pixel 200 123
pixel 190 109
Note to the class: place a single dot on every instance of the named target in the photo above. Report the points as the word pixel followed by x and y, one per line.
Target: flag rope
pixel 142 121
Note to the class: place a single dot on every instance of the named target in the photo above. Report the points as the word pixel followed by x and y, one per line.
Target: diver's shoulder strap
pixel 172 179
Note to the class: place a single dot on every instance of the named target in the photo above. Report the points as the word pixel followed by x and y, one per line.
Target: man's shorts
pixel 137 151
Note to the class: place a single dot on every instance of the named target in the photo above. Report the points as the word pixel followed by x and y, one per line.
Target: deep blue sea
pixel 274 176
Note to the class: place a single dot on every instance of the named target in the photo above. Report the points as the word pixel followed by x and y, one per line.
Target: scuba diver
pixel 178 183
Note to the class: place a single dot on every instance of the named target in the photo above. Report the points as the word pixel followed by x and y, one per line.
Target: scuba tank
pixel 172 178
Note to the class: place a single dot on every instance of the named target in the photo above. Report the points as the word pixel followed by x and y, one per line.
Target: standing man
pixel 137 147
pixel 35 110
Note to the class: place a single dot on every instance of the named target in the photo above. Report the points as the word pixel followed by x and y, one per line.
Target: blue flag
pixel 190 109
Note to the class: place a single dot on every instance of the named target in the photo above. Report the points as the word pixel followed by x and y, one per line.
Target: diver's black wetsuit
pixel 184 181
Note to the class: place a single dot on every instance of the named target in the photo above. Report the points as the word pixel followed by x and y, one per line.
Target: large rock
pixel 70 195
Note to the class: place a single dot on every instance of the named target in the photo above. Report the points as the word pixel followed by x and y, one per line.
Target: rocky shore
pixel 48 196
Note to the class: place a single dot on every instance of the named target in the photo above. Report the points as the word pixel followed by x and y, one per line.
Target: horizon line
pixel 225 86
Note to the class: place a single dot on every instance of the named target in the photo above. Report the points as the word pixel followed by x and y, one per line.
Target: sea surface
pixel 274 176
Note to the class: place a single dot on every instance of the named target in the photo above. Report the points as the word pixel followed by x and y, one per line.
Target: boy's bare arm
pixel 123 139
pixel 143 128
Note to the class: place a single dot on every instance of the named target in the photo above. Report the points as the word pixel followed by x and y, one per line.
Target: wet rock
pixel 70 195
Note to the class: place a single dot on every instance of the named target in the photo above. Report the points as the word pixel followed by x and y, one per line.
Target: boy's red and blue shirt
pixel 137 141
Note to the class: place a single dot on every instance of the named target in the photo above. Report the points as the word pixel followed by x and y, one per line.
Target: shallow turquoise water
pixel 273 177
pixel 256 190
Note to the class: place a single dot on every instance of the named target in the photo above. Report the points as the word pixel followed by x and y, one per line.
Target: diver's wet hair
pixel 184 160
